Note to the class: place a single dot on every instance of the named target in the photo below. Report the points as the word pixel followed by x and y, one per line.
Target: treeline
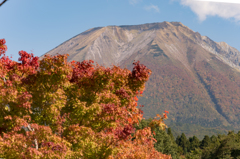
pixel 214 147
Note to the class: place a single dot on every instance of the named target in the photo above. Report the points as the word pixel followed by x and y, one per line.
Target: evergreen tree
pixel 231 132
pixel 184 143
pixel 238 133
pixel 214 140
pixel 178 140
pixel 194 143
pixel 180 149
pixel 223 146
pixel 205 142
pixel 194 154
pixel 229 147
pixel 165 144
pixel 169 132
pixel 144 124
pixel 223 151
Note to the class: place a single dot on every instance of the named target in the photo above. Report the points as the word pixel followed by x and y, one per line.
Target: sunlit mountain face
pixel 193 77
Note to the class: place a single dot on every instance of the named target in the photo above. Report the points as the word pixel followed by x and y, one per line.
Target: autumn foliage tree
pixel 55 109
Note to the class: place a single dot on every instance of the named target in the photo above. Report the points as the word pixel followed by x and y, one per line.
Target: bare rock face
pixel 196 79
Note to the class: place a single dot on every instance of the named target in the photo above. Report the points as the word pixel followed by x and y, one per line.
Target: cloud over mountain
pixel 152 7
pixel 204 8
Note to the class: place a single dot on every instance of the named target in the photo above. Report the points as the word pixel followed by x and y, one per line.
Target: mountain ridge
pixel 150 26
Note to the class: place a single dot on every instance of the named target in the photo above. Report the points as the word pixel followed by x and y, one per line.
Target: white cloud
pixel 152 7
pixel 222 1
pixel 134 1
pixel 222 8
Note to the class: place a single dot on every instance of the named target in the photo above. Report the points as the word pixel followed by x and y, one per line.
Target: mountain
pixel 196 79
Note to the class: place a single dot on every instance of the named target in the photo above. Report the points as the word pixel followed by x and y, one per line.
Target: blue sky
pixel 37 26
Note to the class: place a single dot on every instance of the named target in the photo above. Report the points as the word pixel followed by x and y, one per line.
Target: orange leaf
pixel 166 112
pixel 129 120
pixel 165 115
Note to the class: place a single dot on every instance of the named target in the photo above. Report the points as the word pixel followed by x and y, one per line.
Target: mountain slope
pixel 196 79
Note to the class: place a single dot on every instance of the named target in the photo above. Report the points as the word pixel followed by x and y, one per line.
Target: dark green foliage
pixel 165 142
pixel 169 132
pixel 221 147
pixel 194 154
pixel 215 147
pixel 184 143
pixel 205 142
pixel 194 143
pixel 214 139
pixel 229 147
pixel 178 140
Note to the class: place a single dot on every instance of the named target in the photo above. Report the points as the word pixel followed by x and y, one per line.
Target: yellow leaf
pixel 6 108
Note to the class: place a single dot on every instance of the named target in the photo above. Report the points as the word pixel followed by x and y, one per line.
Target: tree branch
pixel 3 2
pixel 35 140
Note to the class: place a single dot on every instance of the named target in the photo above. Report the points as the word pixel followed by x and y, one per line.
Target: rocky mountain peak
pixel 112 44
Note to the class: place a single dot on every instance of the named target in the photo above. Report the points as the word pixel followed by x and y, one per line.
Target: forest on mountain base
pixel 205 99
pixel 225 146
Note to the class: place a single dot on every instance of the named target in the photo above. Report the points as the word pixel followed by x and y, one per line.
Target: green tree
pixel 183 142
pixel 214 139
pixel 143 124
pixel 165 144
pixel 178 140
pixel 238 133
pixel 194 154
pixel 209 151
pixel 223 146
pixel 224 149
pixel 194 143
pixel 180 149
pixel 205 142
pixel 169 132
pixel 229 147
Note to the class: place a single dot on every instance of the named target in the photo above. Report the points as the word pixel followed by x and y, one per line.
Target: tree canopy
pixel 56 109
